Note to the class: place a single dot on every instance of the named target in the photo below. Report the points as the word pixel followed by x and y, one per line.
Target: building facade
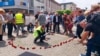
pixel 38 5
pixel 31 6
pixel 46 5
pixel 52 5
pixel 68 6
pixel 17 4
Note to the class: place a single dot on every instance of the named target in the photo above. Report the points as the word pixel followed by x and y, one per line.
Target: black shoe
pixel 75 36
pixel 42 42
pixel 10 36
pixel 35 42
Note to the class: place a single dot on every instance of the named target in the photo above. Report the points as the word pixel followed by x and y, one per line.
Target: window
pixel 42 1
pixel 38 0
pixel 42 7
pixel 64 7
pixel 23 3
pixel 38 6
pixel 5 0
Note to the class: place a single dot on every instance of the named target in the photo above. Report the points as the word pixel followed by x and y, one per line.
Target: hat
pixel 2 10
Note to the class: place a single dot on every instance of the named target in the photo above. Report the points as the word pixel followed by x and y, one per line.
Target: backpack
pixel 96 18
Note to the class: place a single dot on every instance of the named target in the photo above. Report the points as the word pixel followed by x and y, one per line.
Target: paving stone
pixel 68 49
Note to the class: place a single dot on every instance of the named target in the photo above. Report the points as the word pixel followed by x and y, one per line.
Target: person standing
pixel 19 20
pixel 92 31
pixel 51 23
pixel 9 17
pixel 65 23
pixel 80 17
pixel 1 23
pixel 48 23
pixel 42 20
pixel 24 16
pixel 14 25
pixel 70 24
pixel 56 22
pixel 36 16
pixel 4 25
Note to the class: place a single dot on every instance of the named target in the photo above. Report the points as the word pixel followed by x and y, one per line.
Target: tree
pixel 67 11
pixel 61 12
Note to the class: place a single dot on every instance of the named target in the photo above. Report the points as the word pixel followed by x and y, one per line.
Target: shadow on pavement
pixel 29 54
pixel 3 44
pixel 42 44
pixel 70 35
pixel 20 36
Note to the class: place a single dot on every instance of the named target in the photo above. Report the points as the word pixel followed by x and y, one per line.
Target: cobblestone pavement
pixel 55 45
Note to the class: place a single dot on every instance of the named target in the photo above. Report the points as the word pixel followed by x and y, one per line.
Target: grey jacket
pixel 42 19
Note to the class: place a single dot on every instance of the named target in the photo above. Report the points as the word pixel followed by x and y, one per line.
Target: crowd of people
pixel 91 30
pixel 87 25
pixel 8 21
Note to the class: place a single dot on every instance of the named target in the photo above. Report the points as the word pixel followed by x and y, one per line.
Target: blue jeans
pixel 98 50
pixel 93 45
pixel 90 48
pixel 30 29
pixel 4 27
pixel 18 28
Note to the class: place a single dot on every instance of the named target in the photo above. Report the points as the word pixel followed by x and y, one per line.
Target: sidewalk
pixel 54 46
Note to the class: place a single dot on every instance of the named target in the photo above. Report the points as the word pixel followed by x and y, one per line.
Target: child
pixel 30 27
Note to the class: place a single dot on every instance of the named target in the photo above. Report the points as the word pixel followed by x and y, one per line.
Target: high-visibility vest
pixel 35 33
pixel 19 18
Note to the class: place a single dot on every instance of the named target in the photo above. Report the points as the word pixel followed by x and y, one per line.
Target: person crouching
pixel 39 34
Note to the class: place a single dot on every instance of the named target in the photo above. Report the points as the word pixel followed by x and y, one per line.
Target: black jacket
pixel 59 19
